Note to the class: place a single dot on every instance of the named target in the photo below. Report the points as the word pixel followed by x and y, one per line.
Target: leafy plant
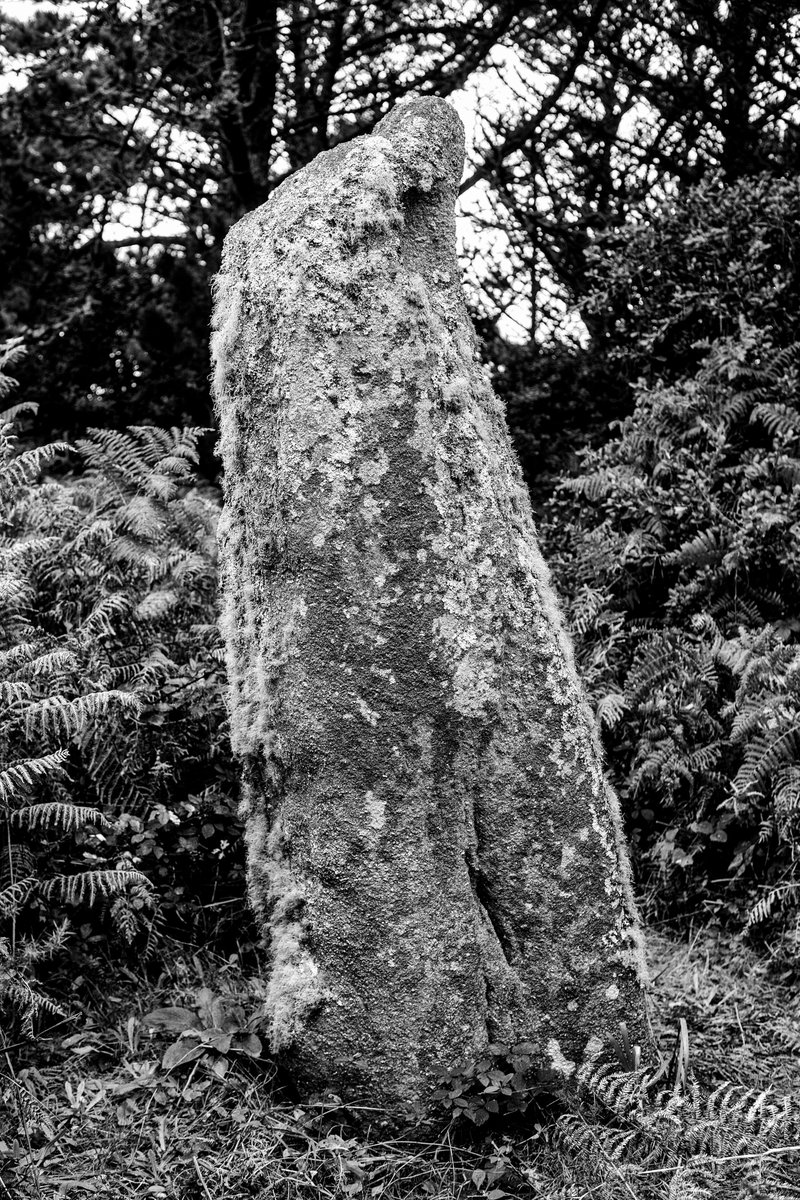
pixel 676 546
pixel 666 285
pixel 212 1033
pixel 630 1136
pixel 503 1082
pixel 120 563
pixel 50 709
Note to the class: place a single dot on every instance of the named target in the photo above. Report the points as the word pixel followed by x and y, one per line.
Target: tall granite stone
pixel 433 848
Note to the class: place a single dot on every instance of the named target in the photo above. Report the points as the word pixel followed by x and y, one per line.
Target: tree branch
pixel 527 128
pixel 143 239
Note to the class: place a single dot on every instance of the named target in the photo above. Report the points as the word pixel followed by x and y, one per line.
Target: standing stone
pixel 433 848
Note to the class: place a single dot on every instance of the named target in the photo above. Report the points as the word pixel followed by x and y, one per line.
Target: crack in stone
pixel 487 905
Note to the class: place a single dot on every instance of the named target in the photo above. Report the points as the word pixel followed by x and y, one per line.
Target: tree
pixel 138 133
pixel 433 848
pixel 626 106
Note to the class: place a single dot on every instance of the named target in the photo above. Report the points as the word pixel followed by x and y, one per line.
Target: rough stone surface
pixel 432 844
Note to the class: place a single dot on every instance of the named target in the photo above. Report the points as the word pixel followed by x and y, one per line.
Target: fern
pixel 54 815
pixel 706 547
pixel 46 713
pixel 20 777
pixel 765 755
pixel 654 1134
pixel 781 420
pixel 87 887
pixel 676 546
pixel 13 895
pixel 782 897
pixel 59 717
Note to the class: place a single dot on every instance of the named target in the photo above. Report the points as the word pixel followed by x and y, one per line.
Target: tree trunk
pixel 433 848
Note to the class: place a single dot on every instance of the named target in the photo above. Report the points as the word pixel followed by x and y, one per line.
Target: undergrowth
pixel 49 708
pixel 162 1086
pixel 117 789
pixel 676 545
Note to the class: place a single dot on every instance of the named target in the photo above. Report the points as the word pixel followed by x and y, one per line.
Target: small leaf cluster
pixel 191 849
pixel 503 1082
pixel 212 1032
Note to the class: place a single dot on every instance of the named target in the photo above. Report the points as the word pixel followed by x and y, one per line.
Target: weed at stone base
pixel 123 1128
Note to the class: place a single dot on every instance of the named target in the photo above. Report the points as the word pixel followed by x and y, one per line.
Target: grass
pixel 743 1018
pixel 91 1109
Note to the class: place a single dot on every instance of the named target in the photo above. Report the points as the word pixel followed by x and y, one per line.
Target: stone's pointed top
pixel 428 137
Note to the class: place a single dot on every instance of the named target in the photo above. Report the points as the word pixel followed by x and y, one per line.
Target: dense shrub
pixel 677 547
pixel 47 706
pixel 556 402
pixel 137 557
pixel 114 570
pixel 663 288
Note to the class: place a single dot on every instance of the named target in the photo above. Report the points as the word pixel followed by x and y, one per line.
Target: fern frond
pixel 20 551
pixel 156 604
pixel 764 755
pixel 115 452
pixel 12 657
pixel 14 590
pixel 99 620
pixel 26 466
pixel 610 709
pixel 708 546
pixel 48 664
pixel 783 895
pixel 187 565
pixel 10 416
pixel 704 758
pixel 585 607
pixel 14 895
pixel 127 550
pixel 16 862
pixel 12 352
pixel 786 791
pixel 687 1184
pixel 141 518
pixel 601 483
pixel 33 1113
pixel 86 887
pixel 13 694
pixel 20 777
pixel 56 716
pixel 175 466
pixel 781 420
pixel 101 531
pixel 66 818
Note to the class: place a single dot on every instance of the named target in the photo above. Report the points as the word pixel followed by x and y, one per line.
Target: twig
pixel 200 1177
pixel 24 1123
pixel 192 1074
pixel 739 1021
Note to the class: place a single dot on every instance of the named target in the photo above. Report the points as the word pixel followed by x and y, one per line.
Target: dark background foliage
pixel 632 185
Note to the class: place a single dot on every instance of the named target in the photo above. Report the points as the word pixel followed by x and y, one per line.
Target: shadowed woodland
pixel 629 224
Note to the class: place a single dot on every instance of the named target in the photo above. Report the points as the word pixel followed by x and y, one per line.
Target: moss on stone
pixel 432 841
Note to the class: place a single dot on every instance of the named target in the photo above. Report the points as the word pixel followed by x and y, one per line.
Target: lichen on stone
pixel 432 843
